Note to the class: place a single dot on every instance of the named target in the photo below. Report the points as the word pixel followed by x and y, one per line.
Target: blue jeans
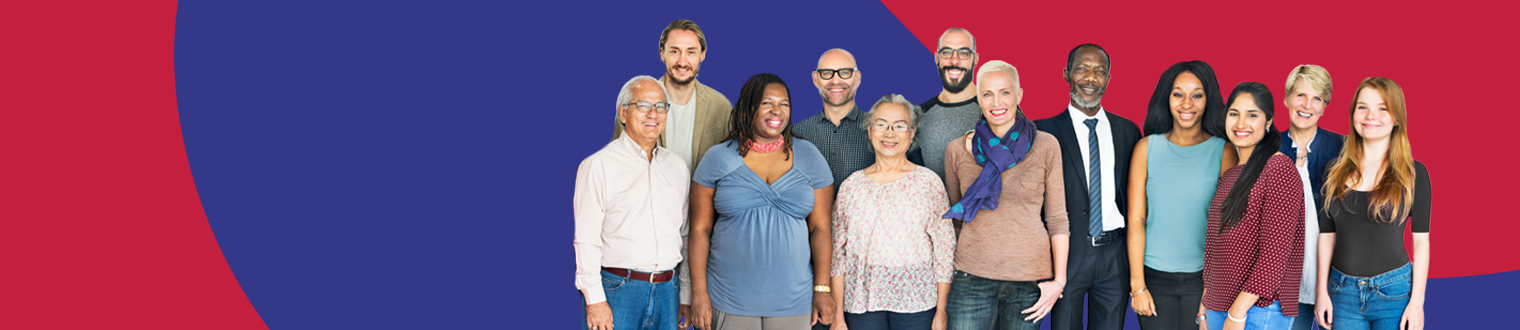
pixel 1305 318
pixel 639 305
pixel 1375 302
pixel 1257 318
pixel 890 320
pixel 977 303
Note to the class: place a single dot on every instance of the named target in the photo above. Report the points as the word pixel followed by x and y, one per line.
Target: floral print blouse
pixel 890 243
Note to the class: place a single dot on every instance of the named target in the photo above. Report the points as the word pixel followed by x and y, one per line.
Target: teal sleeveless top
pixel 1179 186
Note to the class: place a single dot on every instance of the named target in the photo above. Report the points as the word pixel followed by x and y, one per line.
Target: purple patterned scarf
pixel 994 155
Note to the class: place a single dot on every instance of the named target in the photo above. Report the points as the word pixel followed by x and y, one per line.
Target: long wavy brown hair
pixel 1393 194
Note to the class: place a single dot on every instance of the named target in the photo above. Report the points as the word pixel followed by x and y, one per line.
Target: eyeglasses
pixel 645 106
pixel 845 73
pixel 900 128
pixel 963 53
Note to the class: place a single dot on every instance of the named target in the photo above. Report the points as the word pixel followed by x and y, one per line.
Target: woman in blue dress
pixel 760 206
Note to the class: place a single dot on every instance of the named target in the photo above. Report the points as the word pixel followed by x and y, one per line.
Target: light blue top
pixel 759 262
pixel 1179 186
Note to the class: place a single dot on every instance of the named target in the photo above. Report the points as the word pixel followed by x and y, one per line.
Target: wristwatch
pixel 821 288
pixel 1200 319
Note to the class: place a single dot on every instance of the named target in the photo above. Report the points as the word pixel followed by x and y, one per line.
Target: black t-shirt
pixel 1367 248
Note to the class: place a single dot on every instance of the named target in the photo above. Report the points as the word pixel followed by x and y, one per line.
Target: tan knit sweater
pixel 1012 242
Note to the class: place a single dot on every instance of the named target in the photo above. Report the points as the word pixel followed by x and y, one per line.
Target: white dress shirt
pixel 680 125
pixel 630 213
pixel 1306 284
pixel 1112 219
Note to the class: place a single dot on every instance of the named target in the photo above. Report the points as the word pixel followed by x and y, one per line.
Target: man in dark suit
pixel 1095 155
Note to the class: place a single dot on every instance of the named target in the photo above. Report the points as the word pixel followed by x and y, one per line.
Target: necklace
pixel 766 148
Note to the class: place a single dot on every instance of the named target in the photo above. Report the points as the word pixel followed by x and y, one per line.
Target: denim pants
pixel 1257 318
pixel 1375 302
pixel 977 303
pixel 885 320
pixel 640 305
pixel 1305 319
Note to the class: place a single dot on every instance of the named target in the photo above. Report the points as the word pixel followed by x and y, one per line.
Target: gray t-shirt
pixel 941 123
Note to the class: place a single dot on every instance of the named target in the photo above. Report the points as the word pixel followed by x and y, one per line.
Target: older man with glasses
pixel 630 220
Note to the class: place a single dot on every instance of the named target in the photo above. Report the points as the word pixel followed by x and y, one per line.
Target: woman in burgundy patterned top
pixel 1254 252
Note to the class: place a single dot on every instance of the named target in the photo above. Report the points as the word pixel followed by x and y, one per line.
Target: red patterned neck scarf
pixel 766 147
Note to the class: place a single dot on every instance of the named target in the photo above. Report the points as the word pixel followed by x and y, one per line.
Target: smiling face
pixel 1187 101
pixel 837 91
pixel 1305 106
pixel 643 127
pixel 774 114
pixel 885 136
pixel 955 72
pixel 683 56
pixel 1370 116
pixel 1246 122
pixel 998 94
pixel 1088 77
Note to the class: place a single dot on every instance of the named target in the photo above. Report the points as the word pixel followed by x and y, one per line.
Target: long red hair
pixel 1393 194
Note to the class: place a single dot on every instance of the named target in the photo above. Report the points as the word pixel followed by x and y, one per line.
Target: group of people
pixel 963 213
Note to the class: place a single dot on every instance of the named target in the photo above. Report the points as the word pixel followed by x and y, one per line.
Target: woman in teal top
pixel 1173 175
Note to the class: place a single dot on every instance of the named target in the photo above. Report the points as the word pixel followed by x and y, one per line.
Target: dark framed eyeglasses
pixel 645 106
pixel 844 73
pixel 899 127
pixel 963 53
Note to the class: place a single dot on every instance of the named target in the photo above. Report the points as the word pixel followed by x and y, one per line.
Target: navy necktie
pixel 1094 181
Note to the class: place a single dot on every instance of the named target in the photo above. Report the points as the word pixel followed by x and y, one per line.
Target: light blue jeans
pixel 1375 302
pixel 1257 318
pixel 639 305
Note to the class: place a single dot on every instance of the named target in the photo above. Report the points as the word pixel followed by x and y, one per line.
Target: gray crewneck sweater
pixel 941 123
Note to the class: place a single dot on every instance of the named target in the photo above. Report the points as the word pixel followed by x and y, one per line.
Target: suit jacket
pixel 710 126
pixel 1074 163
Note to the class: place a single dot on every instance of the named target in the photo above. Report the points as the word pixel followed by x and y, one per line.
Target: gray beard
pixel 1077 100
pixel 825 97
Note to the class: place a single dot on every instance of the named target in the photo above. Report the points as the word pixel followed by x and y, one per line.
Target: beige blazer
pixel 710 126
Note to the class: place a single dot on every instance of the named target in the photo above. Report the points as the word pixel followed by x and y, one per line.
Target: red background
pixel 100 224
pixel 1453 60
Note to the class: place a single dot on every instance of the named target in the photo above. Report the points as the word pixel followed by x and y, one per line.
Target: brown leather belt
pixel 655 277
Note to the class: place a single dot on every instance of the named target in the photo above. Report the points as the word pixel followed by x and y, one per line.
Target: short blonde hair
pixel 995 66
pixel 1314 75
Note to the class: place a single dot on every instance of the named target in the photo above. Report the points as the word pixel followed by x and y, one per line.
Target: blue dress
pixel 759 260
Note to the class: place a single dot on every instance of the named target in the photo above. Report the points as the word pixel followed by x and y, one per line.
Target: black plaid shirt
pixel 845 147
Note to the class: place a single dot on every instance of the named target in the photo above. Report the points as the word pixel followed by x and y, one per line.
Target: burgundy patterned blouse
pixel 1263 253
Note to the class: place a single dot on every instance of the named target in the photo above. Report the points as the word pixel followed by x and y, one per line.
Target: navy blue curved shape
pixel 389 165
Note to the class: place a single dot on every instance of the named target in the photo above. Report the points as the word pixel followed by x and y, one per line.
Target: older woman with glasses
pixel 892 250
